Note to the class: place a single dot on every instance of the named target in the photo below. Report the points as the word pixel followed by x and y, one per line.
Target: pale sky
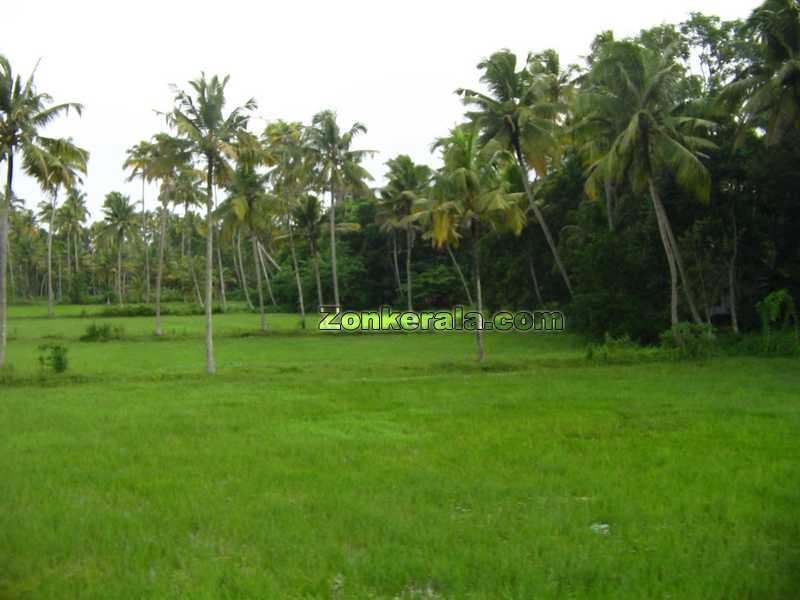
pixel 393 66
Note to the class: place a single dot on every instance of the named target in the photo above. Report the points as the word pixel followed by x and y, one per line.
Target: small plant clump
pixel 53 358
pixel 103 333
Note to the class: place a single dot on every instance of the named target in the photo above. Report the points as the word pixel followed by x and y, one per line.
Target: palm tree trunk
pixel 210 365
pixel 334 274
pixel 242 272
pixel 119 269
pixel 315 257
pixel 4 209
pixel 145 249
pixel 395 263
pixel 162 232
pixel 673 273
pixel 75 246
pixel 610 198
pixel 732 278
pixel 535 281
pixel 221 273
pixel 50 235
pixel 296 274
pixel 60 286
pixel 257 260
pixel 263 260
pixel 476 269
pixel 409 248
pixel 540 217
pixel 69 259
pixel 659 207
pixel 460 274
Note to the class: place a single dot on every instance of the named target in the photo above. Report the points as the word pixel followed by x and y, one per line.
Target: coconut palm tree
pixel 139 158
pixel 247 196
pixel 338 168
pixel 23 113
pixel 518 115
pixel 658 138
pixel 119 219
pixel 169 157
pixel 309 219
pixel 200 118
pixel 769 88
pixel 478 197
pixel 290 177
pixel 74 214
pixel 54 163
pixel 407 185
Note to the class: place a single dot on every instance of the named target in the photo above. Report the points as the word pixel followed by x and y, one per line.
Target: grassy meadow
pixel 336 466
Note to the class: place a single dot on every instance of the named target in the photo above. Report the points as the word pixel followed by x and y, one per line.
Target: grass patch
pixel 392 466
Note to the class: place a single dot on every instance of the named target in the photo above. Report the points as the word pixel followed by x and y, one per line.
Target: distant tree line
pixel 653 184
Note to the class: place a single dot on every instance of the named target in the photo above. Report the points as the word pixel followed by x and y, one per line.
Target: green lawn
pixel 378 466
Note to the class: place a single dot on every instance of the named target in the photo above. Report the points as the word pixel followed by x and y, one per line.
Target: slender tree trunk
pixel 257 261
pixel 242 270
pixel 334 273
pixel 263 258
pixel 60 286
pixel 296 274
pixel 676 253
pixel 315 257
pixel 540 217
pixel 673 272
pixel 221 273
pixel 476 268
pixel 77 261
pixel 162 232
pixel 210 365
pixel 119 270
pixel 610 201
pixel 50 234
pixel 535 281
pixel 395 263
pixel 460 273
pixel 69 259
pixel 732 278
pixel 409 248
pixel 4 209
pixel 145 248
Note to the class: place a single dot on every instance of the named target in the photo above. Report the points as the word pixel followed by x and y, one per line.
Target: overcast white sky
pixel 393 66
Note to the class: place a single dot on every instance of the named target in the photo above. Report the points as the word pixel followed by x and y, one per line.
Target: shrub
pixel 689 340
pixel 53 357
pixel 103 333
pixel 620 350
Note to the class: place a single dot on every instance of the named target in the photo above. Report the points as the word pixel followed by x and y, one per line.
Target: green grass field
pixel 389 466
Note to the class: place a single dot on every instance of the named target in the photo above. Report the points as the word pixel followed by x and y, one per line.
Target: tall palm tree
pixel 54 163
pixel 200 118
pixel 518 115
pixel 407 185
pixel 477 197
pixel 309 218
pixel 338 168
pixel 169 157
pixel 139 159
pixel 769 88
pixel 657 138
pixel 247 197
pixel 23 113
pixel 74 215
pixel 119 218
pixel 290 177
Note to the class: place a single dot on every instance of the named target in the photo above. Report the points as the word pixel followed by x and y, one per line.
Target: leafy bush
pixel 103 333
pixel 620 350
pixel 770 310
pixel 689 340
pixel 53 358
